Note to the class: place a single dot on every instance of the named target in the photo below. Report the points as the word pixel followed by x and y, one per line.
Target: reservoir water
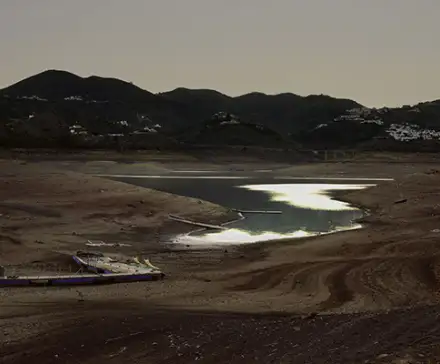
pixel 306 208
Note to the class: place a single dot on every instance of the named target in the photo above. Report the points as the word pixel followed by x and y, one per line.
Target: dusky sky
pixel 377 52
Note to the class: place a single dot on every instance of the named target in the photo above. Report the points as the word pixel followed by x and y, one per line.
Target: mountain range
pixel 57 108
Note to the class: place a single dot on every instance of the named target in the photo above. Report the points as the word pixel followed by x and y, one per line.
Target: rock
pixel 382 356
pixel 310 316
pixel 401 201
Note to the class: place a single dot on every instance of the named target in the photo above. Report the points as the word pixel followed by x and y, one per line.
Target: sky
pixel 377 52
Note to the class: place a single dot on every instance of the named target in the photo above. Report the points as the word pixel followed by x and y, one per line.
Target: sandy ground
pixel 369 295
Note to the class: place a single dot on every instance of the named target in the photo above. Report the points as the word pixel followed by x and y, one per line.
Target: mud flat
pixel 45 212
pixel 369 294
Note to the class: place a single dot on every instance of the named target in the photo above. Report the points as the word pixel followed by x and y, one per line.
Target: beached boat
pixel 107 265
pixel 104 270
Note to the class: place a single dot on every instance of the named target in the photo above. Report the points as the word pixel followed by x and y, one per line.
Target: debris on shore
pixel 94 268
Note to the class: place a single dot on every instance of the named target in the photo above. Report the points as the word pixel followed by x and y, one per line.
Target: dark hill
pixel 198 105
pixel 178 108
pixel 67 109
pixel 187 95
pixel 284 112
pixel 228 129
pixel 90 101
pixel 57 85
pixel 289 112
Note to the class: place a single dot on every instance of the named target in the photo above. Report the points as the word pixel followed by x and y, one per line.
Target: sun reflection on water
pixel 237 236
pixel 308 195
pixel 305 196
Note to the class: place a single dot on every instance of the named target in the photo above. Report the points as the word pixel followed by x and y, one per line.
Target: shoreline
pixel 225 212
pixel 45 204
pixel 331 194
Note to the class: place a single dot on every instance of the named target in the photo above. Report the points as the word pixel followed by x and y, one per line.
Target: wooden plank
pixel 257 211
pixel 201 224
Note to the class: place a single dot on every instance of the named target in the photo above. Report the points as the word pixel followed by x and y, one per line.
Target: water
pixel 307 208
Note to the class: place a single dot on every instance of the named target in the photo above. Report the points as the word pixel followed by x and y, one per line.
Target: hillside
pixel 227 129
pixel 60 109
pixel 409 128
pixel 283 112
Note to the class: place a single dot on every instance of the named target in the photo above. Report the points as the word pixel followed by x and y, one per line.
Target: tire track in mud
pixel 285 277
pixel 402 280
pixel 259 279
pixel 425 270
pixel 374 282
pixel 336 282
pixel 341 279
